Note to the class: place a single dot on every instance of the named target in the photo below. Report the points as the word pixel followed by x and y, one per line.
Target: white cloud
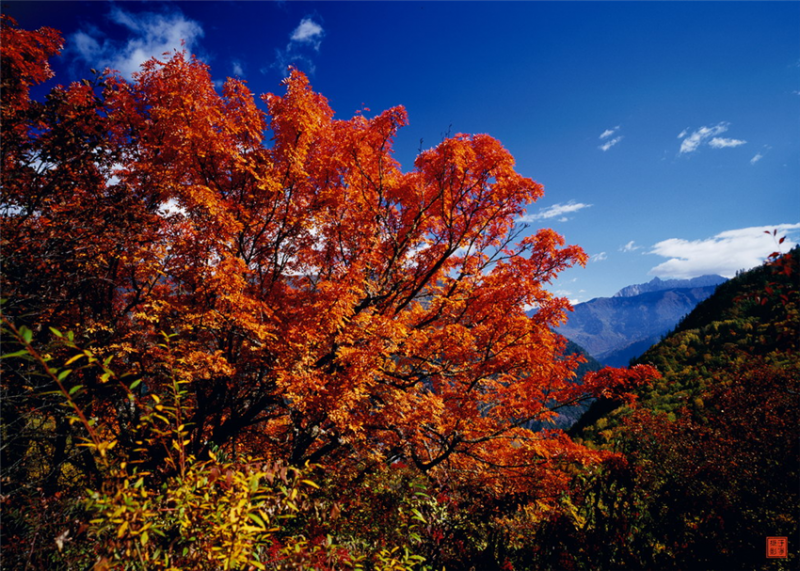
pixel 723 254
pixel 690 143
pixel 555 211
pixel 607 145
pixel 306 36
pixel 709 136
pixel 150 35
pixel 86 46
pixel 760 154
pixel 238 70
pixel 721 142
pixel 630 247
pixel 608 132
pixel 610 143
pixel 599 257
pixel 307 32
pixel 569 294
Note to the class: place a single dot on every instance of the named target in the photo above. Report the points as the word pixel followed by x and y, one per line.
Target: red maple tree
pixel 323 305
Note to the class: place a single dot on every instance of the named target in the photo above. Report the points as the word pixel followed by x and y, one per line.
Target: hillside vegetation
pixel 711 447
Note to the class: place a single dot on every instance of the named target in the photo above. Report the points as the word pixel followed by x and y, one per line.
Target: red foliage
pixel 324 304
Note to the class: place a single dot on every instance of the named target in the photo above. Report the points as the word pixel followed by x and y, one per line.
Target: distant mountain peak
pixel 615 329
pixel 657 284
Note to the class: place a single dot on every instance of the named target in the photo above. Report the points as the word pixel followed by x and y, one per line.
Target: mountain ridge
pixel 616 329
pixel 657 284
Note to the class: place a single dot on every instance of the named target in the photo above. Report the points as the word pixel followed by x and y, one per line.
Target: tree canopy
pixel 321 305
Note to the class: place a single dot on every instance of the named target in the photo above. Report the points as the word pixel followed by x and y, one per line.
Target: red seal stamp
pixel 777 547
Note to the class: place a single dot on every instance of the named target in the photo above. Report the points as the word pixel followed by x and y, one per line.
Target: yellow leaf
pixel 122 529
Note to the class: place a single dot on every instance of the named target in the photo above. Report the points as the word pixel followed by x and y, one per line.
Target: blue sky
pixel 666 134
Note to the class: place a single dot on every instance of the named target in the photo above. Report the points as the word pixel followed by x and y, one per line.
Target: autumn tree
pixel 323 305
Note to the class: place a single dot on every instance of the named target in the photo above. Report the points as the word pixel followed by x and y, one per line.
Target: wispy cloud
pixel 723 254
pixel 599 257
pixel 610 142
pixel 237 68
pixel 690 143
pixel 760 154
pixel 707 135
pixel 304 41
pixel 722 142
pixel 150 35
pixel 630 247
pixel 608 132
pixel 555 211
pixel 573 297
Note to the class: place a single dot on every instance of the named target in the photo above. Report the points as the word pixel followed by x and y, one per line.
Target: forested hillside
pixel 711 448
pixel 752 317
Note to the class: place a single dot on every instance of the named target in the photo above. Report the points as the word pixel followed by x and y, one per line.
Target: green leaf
pixel 27 334
pixel 135 383
pixel 20 353
pixel 64 374
pixel 75 389
pixel 257 520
